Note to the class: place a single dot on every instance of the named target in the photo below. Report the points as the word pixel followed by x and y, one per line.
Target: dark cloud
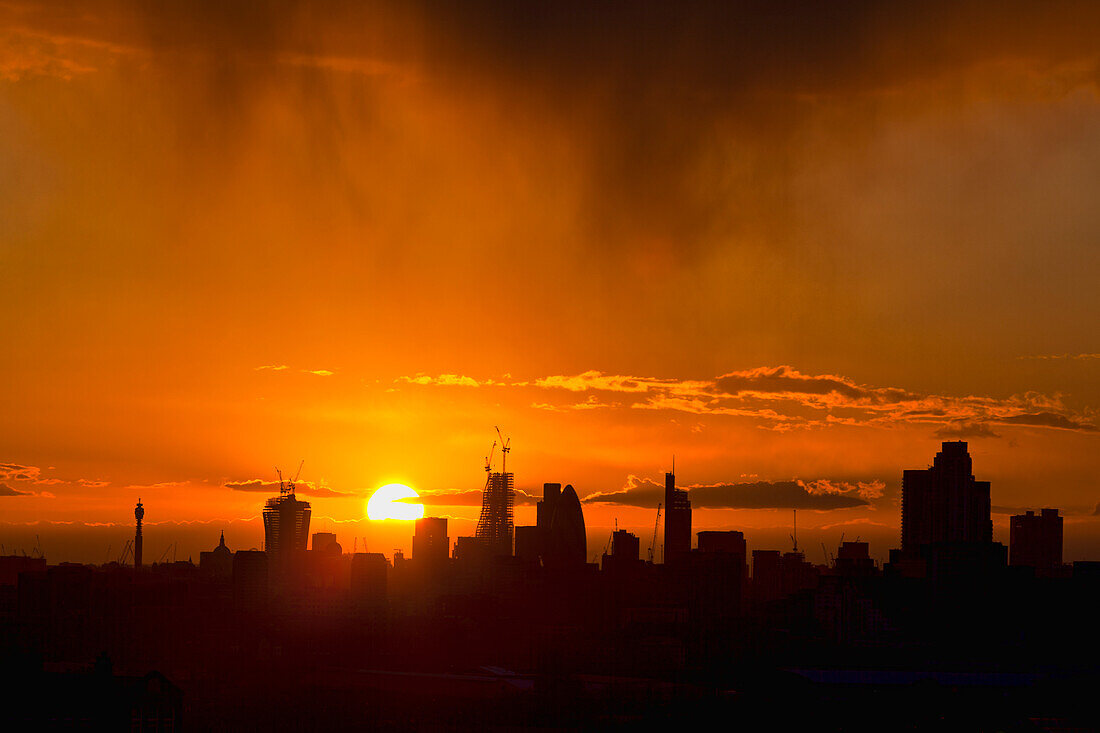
pixel 302 487
pixel 6 490
pixel 751 495
pixel 466 497
pixel 966 430
pixel 1049 420
pixel 780 379
pixel 651 91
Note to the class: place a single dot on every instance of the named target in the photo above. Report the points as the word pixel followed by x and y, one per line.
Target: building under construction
pixel 286 521
pixel 495 527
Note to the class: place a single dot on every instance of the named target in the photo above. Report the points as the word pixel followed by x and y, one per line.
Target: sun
pixel 387 503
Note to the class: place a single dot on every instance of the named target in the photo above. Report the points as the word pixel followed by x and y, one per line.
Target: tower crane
pixel 489 458
pixel 656 522
pixel 505 446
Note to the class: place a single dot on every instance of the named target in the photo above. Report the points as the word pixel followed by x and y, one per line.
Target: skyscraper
pixel 1035 540
pixel 677 520
pixel 286 523
pixel 430 543
pixel 494 527
pixel 943 503
pixel 560 523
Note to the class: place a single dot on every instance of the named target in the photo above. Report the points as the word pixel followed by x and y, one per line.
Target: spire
pixel 222 543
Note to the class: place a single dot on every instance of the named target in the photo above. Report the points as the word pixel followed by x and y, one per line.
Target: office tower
pixel 325 542
pixel 625 552
pixel 544 513
pixel 494 527
pixel 853 559
pixel 560 523
pixel 369 571
pixel 139 514
pixel 430 542
pixel 1035 540
pixel 286 523
pixel 765 574
pixel 528 546
pixel 944 503
pixel 250 579
pixel 729 542
pixel 677 520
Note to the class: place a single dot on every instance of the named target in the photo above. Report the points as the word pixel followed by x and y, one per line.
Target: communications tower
pixel 139 514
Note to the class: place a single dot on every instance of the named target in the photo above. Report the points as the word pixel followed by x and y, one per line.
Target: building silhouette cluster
pixel 514 625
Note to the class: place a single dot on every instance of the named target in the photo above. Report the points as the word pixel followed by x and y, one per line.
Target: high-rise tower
pixel 560 527
pixel 139 514
pixel 944 503
pixel 286 522
pixel 494 526
pixel 677 520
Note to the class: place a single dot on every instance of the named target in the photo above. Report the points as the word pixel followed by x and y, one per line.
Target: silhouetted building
pixel 528 544
pixel 369 572
pixel 325 542
pixel 730 542
pixel 139 514
pixel 1035 540
pixel 779 575
pixel 286 524
pixel 944 503
pixel 12 565
pixel 494 527
pixel 765 575
pixel 430 542
pixel 625 552
pixel 217 563
pixel 677 520
pixel 853 559
pixel 250 578
pixel 560 523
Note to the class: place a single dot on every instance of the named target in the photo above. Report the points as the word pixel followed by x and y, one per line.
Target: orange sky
pixel 786 244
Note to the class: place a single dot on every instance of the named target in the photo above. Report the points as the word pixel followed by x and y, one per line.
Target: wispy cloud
pixel 819 494
pixel 782 398
pixel 966 430
pixel 272 367
pixel 465 497
pixel 1062 357
pixel 446 380
pixel 308 488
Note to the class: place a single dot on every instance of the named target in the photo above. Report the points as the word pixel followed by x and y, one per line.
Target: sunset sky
pixel 796 245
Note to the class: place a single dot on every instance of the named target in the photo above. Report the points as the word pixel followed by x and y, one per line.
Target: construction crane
pixel 794 536
pixel 296 475
pixel 127 554
pixel 656 522
pixel 505 446
pixel 489 458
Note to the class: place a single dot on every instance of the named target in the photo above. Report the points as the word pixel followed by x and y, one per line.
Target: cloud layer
pixel 820 495
pixel 783 398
